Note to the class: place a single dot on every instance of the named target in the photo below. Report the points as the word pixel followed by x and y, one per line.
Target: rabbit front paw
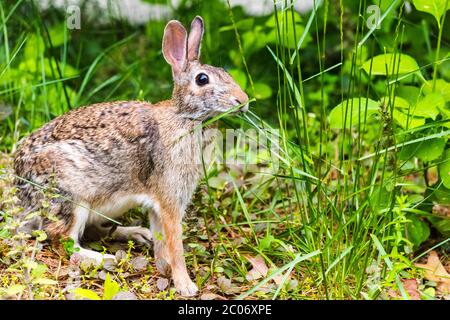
pixel 186 288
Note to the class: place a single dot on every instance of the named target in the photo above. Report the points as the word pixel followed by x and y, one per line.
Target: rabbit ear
pixel 175 46
pixel 195 38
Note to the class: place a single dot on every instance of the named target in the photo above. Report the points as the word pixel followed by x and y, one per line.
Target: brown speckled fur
pixel 109 157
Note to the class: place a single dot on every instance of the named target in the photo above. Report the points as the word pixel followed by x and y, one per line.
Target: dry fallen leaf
pixel 411 286
pixel 162 284
pixel 435 271
pixel 139 263
pixel 211 296
pixel 124 295
pixel 224 284
pixel 259 268
pixel 163 267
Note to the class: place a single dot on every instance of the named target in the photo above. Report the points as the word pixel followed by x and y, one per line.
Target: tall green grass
pixel 343 226
pixel 323 215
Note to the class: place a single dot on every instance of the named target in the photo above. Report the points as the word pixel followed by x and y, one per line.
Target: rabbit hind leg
pixel 78 225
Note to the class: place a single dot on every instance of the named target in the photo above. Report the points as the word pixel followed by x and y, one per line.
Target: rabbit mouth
pixel 243 108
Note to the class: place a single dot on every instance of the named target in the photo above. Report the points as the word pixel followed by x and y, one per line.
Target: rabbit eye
pixel 201 79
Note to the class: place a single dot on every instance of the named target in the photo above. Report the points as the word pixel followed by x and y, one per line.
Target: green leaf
pixel 407 121
pixel 409 93
pixel 15 289
pixel 4 234
pixel 428 106
pixel 445 112
pixel 39 270
pixel 40 235
pixel 444 169
pixel 239 76
pixel 86 293
pixel 266 242
pixel 416 230
pixel 262 90
pixel 434 7
pixel 441 224
pixel 391 64
pixel 50 67
pixel 442 88
pixel 111 288
pixel 35 44
pixel 402 113
pixel 379 199
pixel 355 110
pixel 431 149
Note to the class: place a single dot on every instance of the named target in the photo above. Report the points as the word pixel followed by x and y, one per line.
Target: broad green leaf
pixel 442 88
pixel 431 149
pixel 262 90
pixel 35 44
pixel 428 106
pixel 444 169
pixel 434 7
pixel 416 230
pixel 240 77
pixel 379 199
pixel 443 226
pixel 399 102
pixel 409 93
pixel 445 112
pixel 85 293
pixel 356 109
pixel 402 113
pixel 254 40
pixel 391 64
pixel 34 66
pixel 407 121
pixel 111 288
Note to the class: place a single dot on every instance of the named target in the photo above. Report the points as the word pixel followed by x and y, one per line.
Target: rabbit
pixel 107 158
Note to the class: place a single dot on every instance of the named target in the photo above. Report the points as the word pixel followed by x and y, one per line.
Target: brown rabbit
pixel 110 157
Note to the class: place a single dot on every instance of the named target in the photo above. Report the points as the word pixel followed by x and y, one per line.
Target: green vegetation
pixel 362 191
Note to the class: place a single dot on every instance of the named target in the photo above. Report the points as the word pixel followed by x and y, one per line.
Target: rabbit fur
pixel 110 157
